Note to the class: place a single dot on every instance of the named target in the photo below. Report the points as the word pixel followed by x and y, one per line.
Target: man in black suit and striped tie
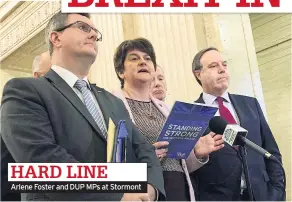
pixel 62 118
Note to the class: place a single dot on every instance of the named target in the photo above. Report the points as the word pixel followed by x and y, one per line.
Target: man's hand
pixel 160 152
pixel 208 144
pixel 135 197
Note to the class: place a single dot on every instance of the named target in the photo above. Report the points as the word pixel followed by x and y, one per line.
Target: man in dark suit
pixel 40 66
pixel 222 177
pixel 62 118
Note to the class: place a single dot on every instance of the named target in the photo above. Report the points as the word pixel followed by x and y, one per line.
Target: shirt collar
pixel 68 76
pixel 210 99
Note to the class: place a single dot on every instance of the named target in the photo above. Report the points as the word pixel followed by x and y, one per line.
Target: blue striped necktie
pixel 82 86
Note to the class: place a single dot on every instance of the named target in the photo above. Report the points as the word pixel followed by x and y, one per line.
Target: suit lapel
pixel 236 105
pixel 71 96
pixel 200 99
pixel 104 103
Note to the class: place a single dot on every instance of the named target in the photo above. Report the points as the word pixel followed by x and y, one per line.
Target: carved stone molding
pixel 10 9
pixel 27 21
pixel 21 59
pixel 2 4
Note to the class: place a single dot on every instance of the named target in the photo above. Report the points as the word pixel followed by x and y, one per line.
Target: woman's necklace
pixel 149 115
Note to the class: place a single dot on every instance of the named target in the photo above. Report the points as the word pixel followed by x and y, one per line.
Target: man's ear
pixel 55 39
pixel 197 74
pixel 36 75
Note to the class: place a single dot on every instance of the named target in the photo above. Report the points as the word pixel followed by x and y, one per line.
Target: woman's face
pixel 138 67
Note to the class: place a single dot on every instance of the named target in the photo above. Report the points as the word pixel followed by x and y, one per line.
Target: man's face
pixel 138 67
pixel 78 40
pixel 159 85
pixel 214 73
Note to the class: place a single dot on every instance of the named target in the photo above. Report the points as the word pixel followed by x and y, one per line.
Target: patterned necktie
pixel 224 112
pixel 82 86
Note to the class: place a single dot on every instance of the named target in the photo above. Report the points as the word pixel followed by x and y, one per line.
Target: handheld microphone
pixel 235 135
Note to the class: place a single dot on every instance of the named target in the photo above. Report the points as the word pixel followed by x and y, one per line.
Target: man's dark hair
pixel 197 65
pixel 58 21
pixel 140 44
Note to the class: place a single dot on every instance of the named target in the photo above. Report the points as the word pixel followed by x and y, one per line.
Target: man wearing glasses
pixel 62 118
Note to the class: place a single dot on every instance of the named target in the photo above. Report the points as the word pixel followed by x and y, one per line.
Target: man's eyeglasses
pixel 84 27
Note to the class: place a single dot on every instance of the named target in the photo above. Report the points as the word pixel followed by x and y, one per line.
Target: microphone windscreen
pixel 217 125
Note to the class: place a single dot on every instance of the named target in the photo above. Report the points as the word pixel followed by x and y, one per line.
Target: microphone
pixel 235 135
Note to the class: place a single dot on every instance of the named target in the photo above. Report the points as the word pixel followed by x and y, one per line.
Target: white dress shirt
pixel 211 100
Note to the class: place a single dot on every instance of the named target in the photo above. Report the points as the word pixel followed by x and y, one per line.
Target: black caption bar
pixel 90 187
